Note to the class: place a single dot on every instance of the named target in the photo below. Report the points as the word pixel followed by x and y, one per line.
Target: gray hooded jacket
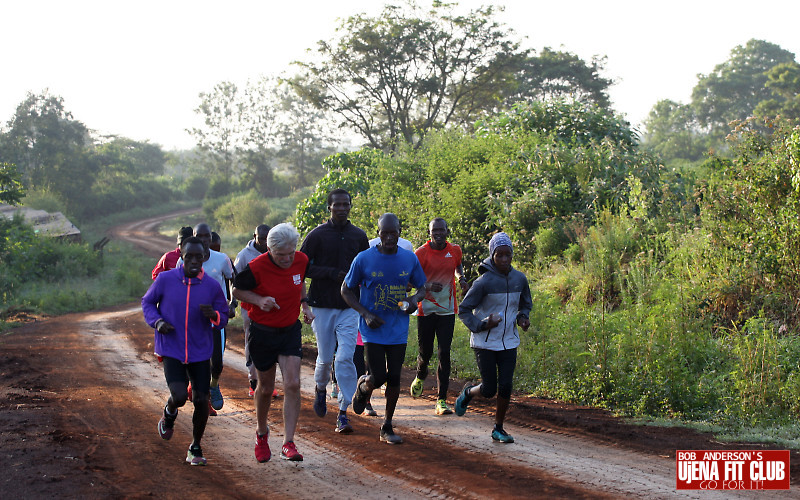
pixel 494 292
pixel 248 253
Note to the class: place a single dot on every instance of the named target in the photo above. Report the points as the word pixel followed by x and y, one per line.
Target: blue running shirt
pixel 383 280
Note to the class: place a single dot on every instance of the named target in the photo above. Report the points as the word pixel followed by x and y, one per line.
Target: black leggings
pixel 441 327
pixel 385 363
pixel 216 357
pixel 497 371
pixel 358 360
pixel 178 375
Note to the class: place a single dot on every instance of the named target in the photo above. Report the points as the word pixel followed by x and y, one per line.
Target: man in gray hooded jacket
pixel 498 302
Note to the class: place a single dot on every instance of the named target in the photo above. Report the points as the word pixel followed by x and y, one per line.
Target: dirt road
pixel 80 396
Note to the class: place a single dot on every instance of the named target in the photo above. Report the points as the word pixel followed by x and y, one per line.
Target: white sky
pixel 136 68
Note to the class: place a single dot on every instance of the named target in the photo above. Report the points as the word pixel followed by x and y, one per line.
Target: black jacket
pixel 331 249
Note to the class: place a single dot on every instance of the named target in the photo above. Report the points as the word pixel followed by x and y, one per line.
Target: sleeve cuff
pixel 216 320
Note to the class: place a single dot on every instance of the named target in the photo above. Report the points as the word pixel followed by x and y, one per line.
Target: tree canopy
pixel 783 81
pixel 395 77
pixel 734 89
pixel 541 164
pixel 248 132
pixel 44 141
pixel 759 78
pixel 552 74
pixel 673 131
pixel 11 189
pixel 57 159
pixel 49 147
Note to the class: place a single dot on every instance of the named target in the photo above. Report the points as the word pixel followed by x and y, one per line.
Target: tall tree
pixel 672 132
pixel 49 148
pixel 783 81
pixel 129 157
pixel 759 78
pixel 11 190
pixel 734 89
pixel 398 75
pixel 257 153
pixel 265 124
pixel 304 135
pixel 554 74
pixel 221 134
pixel 43 140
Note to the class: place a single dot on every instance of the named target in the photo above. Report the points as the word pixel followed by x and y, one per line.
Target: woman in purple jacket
pixel 183 305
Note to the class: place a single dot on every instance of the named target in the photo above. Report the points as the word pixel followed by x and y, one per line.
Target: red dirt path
pixel 70 428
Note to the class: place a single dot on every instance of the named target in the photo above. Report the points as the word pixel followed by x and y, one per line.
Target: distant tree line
pixel 391 79
pixel 759 79
pixel 57 157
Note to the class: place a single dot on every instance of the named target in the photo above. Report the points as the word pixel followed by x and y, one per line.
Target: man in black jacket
pixel 331 248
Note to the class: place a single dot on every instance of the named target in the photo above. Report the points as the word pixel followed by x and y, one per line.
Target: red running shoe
pixel 289 452
pixel 252 392
pixel 211 411
pixel 262 448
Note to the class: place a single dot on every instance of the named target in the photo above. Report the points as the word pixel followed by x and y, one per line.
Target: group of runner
pixel 360 293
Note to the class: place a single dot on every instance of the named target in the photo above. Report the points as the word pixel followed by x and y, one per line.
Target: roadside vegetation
pixel 653 296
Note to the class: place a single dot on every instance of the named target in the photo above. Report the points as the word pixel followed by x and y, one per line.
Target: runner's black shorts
pixel 267 343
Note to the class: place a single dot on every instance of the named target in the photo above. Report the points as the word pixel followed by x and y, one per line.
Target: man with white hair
pixel 272 290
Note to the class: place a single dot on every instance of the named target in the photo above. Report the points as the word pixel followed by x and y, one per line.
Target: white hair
pixel 283 235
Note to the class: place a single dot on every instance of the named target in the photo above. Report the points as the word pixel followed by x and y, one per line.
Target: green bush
pixel 767 366
pixel 241 213
pixel 550 240
pixel 515 174
pixel 196 187
pixel 43 199
pixel 25 256
pixel 752 210
pixel 573 253
pixel 651 309
pixel 219 187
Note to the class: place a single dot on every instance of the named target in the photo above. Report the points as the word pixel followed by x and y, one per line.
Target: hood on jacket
pixel 487 266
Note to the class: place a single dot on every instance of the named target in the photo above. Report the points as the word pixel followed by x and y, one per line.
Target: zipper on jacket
pixel 186 322
pixel 505 314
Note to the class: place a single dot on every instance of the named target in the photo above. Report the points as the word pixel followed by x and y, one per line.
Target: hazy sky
pixel 136 68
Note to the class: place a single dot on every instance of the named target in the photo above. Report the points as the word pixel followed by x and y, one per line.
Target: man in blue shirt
pixel 375 287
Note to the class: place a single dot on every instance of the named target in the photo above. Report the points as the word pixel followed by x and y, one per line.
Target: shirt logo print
pixel 296 279
pixel 448 255
pixel 387 296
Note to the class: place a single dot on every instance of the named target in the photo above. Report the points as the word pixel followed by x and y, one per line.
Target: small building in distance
pixel 55 224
